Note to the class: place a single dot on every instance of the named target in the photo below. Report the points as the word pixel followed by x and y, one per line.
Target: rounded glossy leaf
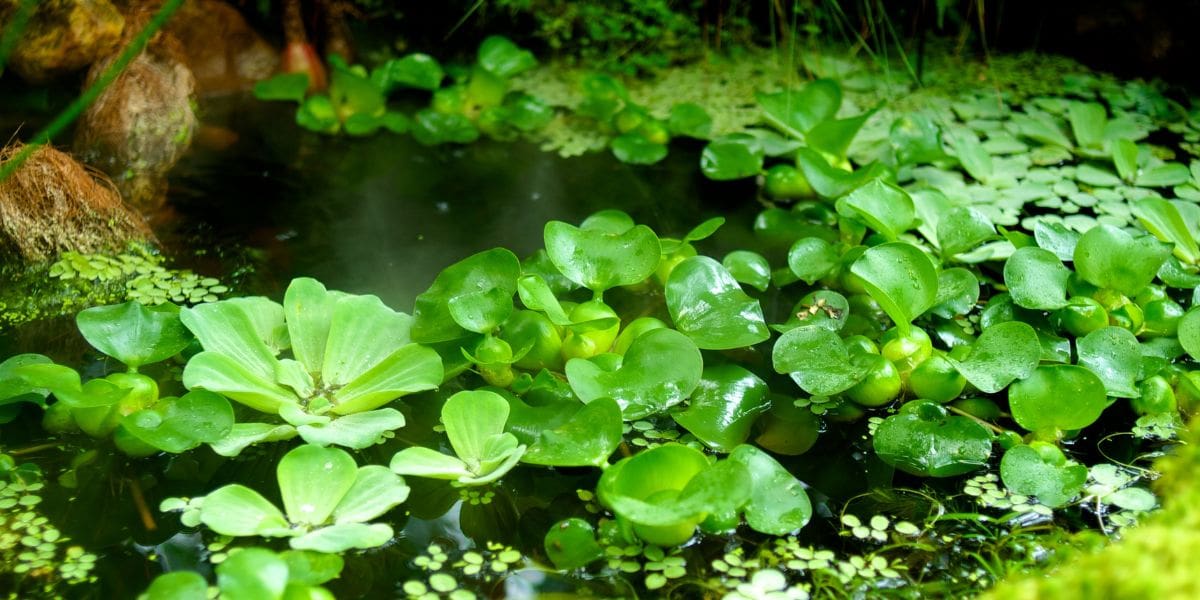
pixel 812 258
pixel 958 291
pixel 778 504
pixel 963 228
pixel 1003 353
pixel 924 439
pixel 470 283
pixel 1162 219
pixel 1056 238
pixel 634 487
pixel 731 158
pixel 415 70
pixel 571 544
pixel 709 306
pixel 660 370
pixel 633 148
pixel 1113 354
pixel 1043 471
pixel 724 406
pixel 1108 257
pixel 1189 332
pixel 818 361
pixel 134 334
pixel 587 437
pixel 900 277
pixel 1057 397
pixel 313 480
pixel 749 268
pixel 882 206
pixel 502 58
pixel 599 260
pixel 1036 279
pixel 689 119
pixel 179 424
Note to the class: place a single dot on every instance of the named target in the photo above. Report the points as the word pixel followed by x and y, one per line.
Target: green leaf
pixel 1040 128
pixel 748 268
pixel 471 418
pixel 180 585
pixel 1041 470
pixel 882 206
pixel 1056 238
pixel 236 510
pixel 245 330
pixel 689 119
pixel 252 574
pixel 599 260
pixel 430 128
pixel 830 181
pixel 796 112
pixel 1088 120
pixel 318 114
pixel 134 334
pixel 1113 354
pixel 729 158
pixel 580 435
pixel 900 277
pixel 502 58
pixel 709 306
pixel 1124 156
pixel 426 462
pixel 308 309
pixel 243 435
pixel 1108 257
pixel 312 480
pixel 924 439
pixel 635 149
pixel 1162 219
pixel 659 370
pixel 311 568
pixel 571 544
pixel 916 139
pixel 1003 353
pixel 217 372
pixel 179 424
pixel 376 490
pixel 284 86
pixel 958 291
pixel 344 536
pixel 778 504
pixel 812 258
pixel 724 406
pixel 363 333
pixel 1057 397
pixel 359 430
pixel 817 359
pixel 1096 176
pixel 495 269
pixel 971 154
pixel 833 136
pixel 1164 175
pixel 1189 332
pixel 415 70
pixel 963 228
pixel 1036 279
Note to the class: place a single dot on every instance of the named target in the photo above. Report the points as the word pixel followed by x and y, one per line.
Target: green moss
pixel 78 281
pixel 1153 560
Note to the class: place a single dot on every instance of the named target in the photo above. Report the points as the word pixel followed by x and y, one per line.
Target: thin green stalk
pixel 73 110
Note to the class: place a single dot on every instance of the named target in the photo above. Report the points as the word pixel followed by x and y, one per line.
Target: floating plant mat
pixel 899 379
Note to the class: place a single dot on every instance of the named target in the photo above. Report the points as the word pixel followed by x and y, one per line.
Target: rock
pixel 62 36
pixel 224 53
pixel 142 124
pixel 52 204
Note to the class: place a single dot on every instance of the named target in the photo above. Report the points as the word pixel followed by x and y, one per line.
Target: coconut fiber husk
pixel 142 123
pixel 52 204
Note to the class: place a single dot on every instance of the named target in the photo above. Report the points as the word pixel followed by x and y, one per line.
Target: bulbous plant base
pixel 52 204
